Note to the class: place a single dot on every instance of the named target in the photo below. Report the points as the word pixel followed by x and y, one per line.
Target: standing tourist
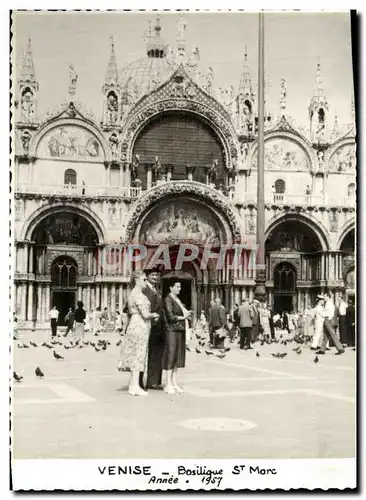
pixel 342 311
pixel 350 324
pixel 104 319
pixel 255 320
pixel 218 321
pixel 118 322
pixel 176 322
pixel 272 324
pixel 53 315
pixel 69 319
pixel 134 349
pixel 201 328
pixel 80 316
pixel 318 323
pixel 264 314
pixel 328 330
pixel 97 321
pixel 156 339
pixel 245 314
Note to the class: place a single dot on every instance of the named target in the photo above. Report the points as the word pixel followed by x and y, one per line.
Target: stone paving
pixel 242 406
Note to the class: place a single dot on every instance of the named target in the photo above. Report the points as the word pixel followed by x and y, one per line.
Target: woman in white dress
pixel 318 323
pixel 264 314
pixel 134 349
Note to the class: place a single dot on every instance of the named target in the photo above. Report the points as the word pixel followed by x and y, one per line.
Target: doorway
pixel 282 302
pixel 185 295
pixel 63 300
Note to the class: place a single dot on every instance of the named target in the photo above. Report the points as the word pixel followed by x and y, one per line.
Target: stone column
pixel 105 296
pixel 169 173
pixel 113 299
pixel 25 257
pixel 149 176
pixel 79 292
pixel 30 302
pixel 227 295
pixel 48 298
pixel 23 301
pixel 190 172
pixel 322 266
pixel 120 298
pixel 88 294
pixel 39 303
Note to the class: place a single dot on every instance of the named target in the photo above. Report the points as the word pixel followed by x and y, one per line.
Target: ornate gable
pixel 181 93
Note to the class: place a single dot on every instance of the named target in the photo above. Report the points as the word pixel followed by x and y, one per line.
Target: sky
pixel 293 43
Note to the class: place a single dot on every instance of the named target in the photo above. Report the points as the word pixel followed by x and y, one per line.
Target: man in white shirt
pixel 342 309
pixel 53 315
pixel 329 333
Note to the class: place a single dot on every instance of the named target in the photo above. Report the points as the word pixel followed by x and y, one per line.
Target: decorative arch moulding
pixel 179 188
pixel 222 128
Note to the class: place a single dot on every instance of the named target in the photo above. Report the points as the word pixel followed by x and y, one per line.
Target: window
pixel 70 177
pixel 280 186
pixel 64 273
pixel 351 190
pixel 284 278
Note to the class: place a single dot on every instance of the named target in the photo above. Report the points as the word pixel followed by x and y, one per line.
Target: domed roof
pixel 143 75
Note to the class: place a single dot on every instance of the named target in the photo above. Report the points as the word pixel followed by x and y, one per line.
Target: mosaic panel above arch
pixel 70 142
pixel 343 159
pixel 283 154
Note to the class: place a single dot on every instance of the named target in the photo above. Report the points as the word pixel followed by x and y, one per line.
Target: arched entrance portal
pixel 64 256
pixel 284 287
pixel 64 274
pixel 295 263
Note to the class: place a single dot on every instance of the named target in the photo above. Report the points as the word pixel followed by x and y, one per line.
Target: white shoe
pixel 137 392
pixel 178 389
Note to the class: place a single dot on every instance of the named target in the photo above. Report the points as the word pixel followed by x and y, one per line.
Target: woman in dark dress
pixel 175 319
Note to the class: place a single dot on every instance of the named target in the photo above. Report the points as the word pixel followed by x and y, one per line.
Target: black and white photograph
pixel 183 286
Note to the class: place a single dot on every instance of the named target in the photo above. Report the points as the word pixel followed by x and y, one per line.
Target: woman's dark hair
pixel 172 283
pixel 79 304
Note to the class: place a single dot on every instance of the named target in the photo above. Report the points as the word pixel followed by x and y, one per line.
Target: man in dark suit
pixel 218 319
pixel 156 339
pixel 350 324
pixel 255 321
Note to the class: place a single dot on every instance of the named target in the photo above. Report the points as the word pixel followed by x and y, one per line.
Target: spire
pixel 283 97
pixel 111 77
pixel 156 47
pixel 181 38
pixel 245 86
pixel 27 72
pixel 319 97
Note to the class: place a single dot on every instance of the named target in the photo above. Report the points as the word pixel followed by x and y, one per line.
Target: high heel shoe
pixel 178 389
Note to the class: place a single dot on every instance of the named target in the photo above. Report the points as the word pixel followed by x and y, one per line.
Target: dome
pixel 145 74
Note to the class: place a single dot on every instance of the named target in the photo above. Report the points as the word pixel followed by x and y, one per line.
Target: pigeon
pixel 92 344
pixel 96 349
pixel 188 348
pixel 221 356
pixel 198 351
pixel 39 373
pixel 66 347
pixel 81 346
pixel 284 342
pixel 209 353
pixel 57 356
pixel 283 355
pixel 275 355
pixel 119 343
pixel 104 348
pixel 49 346
pixel 25 346
pixel 227 349
pixel 85 342
pixel 84 369
pixel 20 346
pixel 44 344
pixel 198 337
pixel 33 344
pixel 17 377
pixel 262 343
pixel 299 351
pixel 316 359
pixel 257 354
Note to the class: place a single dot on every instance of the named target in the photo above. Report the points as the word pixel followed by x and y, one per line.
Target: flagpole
pixel 260 289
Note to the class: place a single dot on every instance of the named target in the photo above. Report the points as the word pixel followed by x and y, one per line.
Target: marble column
pixel 113 299
pixel 92 298
pixel 79 292
pixel 48 298
pixel 322 267
pixel 251 294
pixel 149 177
pixel 30 302
pixel 105 296
pixel 88 294
pixel 39 303
pixel 99 258
pixel 23 302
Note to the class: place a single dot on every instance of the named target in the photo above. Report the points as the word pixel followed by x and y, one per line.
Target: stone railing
pixel 73 190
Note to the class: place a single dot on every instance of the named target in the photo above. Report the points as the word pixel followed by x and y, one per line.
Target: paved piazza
pixel 240 406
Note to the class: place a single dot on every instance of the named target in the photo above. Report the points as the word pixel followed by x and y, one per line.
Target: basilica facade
pixel 173 158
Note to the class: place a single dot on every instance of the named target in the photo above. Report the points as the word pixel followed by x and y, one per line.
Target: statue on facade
pixel 134 168
pixel 113 142
pixel 25 138
pixel 112 108
pixel 251 225
pixel 209 80
pixel 73 78
pixel 333 222
pixel 320 155
pixel 27 106
pixel 157 169
pixel 212 172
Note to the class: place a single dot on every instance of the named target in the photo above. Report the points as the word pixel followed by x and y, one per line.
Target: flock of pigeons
pixel 98 346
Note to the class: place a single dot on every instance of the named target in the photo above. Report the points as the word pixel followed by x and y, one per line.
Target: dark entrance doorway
pixel 284 290
pixel 185 295
pixel 63 300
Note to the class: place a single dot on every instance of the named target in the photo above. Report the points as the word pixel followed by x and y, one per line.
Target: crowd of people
pixel 156 332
